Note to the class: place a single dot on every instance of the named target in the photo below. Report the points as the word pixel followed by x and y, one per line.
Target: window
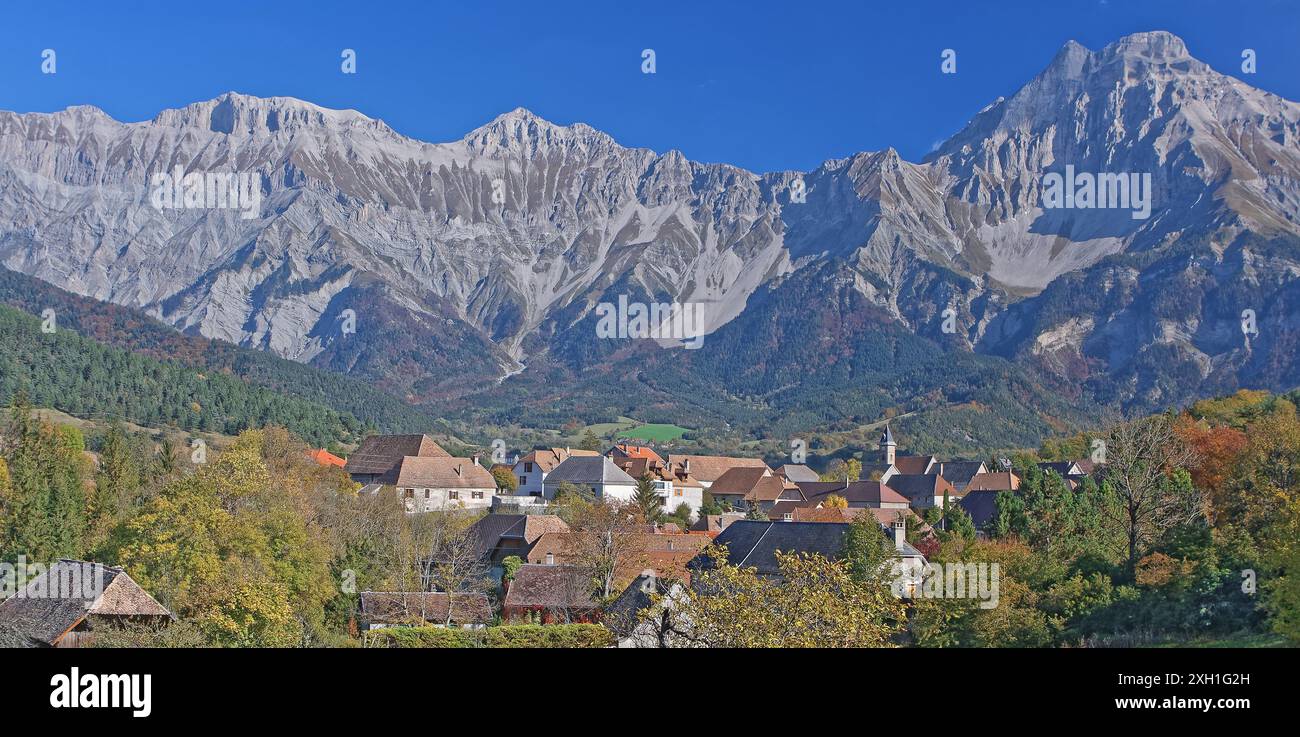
pixel 523 480
pixel 528 468
pixel 478 495
pixel 677 492
pixel 410 493
pixel 453 495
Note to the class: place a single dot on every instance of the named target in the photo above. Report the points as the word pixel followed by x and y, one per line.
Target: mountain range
pixel 945 291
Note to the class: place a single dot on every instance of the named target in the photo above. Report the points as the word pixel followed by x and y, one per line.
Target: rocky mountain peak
pixel 1155 46
pixel 521 131
pixel 238 114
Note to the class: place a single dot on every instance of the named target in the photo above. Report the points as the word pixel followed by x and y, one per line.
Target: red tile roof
pixel 326 458
pixel 636 451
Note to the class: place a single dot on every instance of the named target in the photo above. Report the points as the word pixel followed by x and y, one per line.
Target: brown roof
pixel 710 468
pixel 638 467
pixel 749 483
pixel 550 587
pixel 855 492
pixel 635 451
pixel 444 473
pixel 549 458
pixel 52 604
pixel 913 464
pixel 713 523
pixel 380 454
pixel 491 529
pixel 824 514
pixel 665 554
pixel 536 525
pixel 414 607
pixel 993 481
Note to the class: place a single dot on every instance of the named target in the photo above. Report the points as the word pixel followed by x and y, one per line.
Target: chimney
pixel 649 585
pixel 459 468
pixel 550 559
pixel 900 534
pixel 686 466
pixel 671 547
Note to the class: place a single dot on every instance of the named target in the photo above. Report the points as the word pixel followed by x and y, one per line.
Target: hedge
pixel 514 635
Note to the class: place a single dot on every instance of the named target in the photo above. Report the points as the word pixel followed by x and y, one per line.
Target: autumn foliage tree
pixel 814 602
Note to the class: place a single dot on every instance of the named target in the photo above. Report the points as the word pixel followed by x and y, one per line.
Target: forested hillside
pixel 81 377
pixel 134 331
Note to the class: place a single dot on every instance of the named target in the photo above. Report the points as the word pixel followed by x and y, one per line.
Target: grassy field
pixel 606 429
pixel 656 433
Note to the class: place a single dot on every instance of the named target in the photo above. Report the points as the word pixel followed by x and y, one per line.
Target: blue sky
pixel 765 85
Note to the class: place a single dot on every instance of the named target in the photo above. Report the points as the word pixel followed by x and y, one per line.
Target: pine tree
pixel 116 483
pixel 647 499
pixel 45 517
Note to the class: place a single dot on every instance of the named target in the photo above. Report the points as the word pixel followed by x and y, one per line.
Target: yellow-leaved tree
pixel 229 549
pixel 814 602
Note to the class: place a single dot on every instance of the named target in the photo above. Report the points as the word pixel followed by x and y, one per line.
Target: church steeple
pixel 887 445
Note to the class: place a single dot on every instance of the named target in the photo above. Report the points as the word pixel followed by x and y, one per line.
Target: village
pixel 518 561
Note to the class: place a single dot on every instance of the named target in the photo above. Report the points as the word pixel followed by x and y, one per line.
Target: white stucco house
pixel 597 473
pixel 531 470
pixel 431 484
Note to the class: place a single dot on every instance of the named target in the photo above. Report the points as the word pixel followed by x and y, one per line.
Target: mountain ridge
pixel 477 257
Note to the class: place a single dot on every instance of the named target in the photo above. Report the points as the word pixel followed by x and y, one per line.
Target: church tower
pixel 888 446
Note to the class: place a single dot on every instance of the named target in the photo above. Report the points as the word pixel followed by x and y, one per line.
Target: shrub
pixel 422 637
pixel 550 636
pixel 515 636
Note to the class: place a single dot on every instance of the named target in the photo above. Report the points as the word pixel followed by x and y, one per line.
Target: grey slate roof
pixel 795 473
pixel 1063 469
pixel 961 472
pixel 919 486
pixel 589 470
pixel 11 638
pixel 982 507
pixel 754 544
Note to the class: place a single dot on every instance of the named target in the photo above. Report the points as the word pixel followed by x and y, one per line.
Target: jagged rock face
pixel 462 260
